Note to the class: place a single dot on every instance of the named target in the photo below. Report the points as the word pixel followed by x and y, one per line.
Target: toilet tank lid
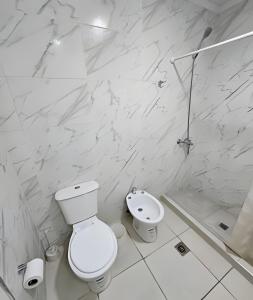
pixel 76 190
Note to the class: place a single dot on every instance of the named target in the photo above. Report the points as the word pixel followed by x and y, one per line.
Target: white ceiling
pixel 217 6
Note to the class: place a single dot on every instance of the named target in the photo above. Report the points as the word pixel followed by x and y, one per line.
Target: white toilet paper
pixel 34 273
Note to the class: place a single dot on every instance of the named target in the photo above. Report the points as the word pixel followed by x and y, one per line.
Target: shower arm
pixel 237 38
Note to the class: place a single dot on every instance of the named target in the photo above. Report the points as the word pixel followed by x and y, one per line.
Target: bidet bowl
pixel 147 213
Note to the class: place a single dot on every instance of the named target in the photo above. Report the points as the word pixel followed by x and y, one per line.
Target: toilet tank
pixel 78 202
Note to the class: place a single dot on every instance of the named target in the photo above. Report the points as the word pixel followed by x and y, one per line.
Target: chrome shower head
pixel 207 32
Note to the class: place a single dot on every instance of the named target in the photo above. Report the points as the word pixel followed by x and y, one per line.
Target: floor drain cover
pixel 223 226
pixel 182 248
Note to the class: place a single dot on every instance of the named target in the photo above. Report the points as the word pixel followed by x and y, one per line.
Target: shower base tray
pixel 236 261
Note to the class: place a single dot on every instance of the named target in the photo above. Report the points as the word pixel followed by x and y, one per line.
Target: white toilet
pixel 93 245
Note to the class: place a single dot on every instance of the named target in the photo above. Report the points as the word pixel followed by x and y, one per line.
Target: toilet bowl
pixel 92 251
pixel 93 246
pixel 147 213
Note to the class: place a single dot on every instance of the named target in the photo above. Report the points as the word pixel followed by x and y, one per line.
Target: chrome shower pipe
pixel 187 141
pixel 237 38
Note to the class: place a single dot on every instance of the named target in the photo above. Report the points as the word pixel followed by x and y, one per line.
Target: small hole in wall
pixel 128 197
pixel 77 187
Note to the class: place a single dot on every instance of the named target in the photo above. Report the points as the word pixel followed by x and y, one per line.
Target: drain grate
pixel 223 226
pixel 182 248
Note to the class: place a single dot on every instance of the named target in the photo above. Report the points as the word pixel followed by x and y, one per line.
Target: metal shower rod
pixel 237 38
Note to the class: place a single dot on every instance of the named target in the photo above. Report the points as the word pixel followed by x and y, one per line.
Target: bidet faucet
pixel 134 189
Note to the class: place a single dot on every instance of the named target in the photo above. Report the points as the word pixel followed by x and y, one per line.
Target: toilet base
pixel 99 284
pixel 147 232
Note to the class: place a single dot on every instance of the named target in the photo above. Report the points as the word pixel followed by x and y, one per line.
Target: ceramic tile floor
pixel 157 271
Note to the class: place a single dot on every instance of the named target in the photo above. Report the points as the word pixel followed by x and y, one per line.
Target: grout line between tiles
pixel 202 262
pixel 195 255
pixel 127 268
pixel 210 290
pixel 175 236
pixel 179 237
pixel 160 247
pixel 178 234
pixel 224 285
pixel 226 273
pixel 155 279
pixel 143 257
pixel 219 282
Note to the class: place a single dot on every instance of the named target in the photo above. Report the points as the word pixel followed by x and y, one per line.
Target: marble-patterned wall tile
pixel 121 15
pixel 120 124
pixel 19 145
pixel 41 44
pixel 159 41
pixel 220 164
pixel 51 112
pixel 91 94
pixel 124 145
pixel 112 54
pixel 19 237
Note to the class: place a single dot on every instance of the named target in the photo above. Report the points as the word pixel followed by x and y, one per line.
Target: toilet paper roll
pixel 33 274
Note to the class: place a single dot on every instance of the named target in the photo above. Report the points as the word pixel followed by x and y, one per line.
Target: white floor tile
pixel 238 286
pixel 180 277
pixel 135 283
pixel 164 235
pixel 176 224
pixel 219 293
pixel 216 263
pixel 62 283
pixel 127 255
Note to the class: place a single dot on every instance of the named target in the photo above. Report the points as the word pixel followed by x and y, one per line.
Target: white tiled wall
pixel 19 238
pixel 91 94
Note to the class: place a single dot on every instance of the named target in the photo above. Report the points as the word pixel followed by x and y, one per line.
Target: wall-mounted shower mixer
pixel 186 142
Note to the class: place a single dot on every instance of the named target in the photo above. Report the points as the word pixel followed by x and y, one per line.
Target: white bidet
pixel 147 212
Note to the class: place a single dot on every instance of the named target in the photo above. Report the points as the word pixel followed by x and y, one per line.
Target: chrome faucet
pixel 134 190
pixel 187 142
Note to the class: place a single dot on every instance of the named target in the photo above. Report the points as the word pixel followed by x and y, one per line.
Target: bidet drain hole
pixel 140 209
pixel 128 197
pixel 148 218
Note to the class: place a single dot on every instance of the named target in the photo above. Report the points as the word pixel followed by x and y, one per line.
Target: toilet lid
pixel 92 247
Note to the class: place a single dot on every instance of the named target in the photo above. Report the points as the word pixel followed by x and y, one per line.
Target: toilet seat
pixel 92 248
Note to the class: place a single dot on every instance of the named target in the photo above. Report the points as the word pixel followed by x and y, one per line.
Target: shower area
pixel 216 174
